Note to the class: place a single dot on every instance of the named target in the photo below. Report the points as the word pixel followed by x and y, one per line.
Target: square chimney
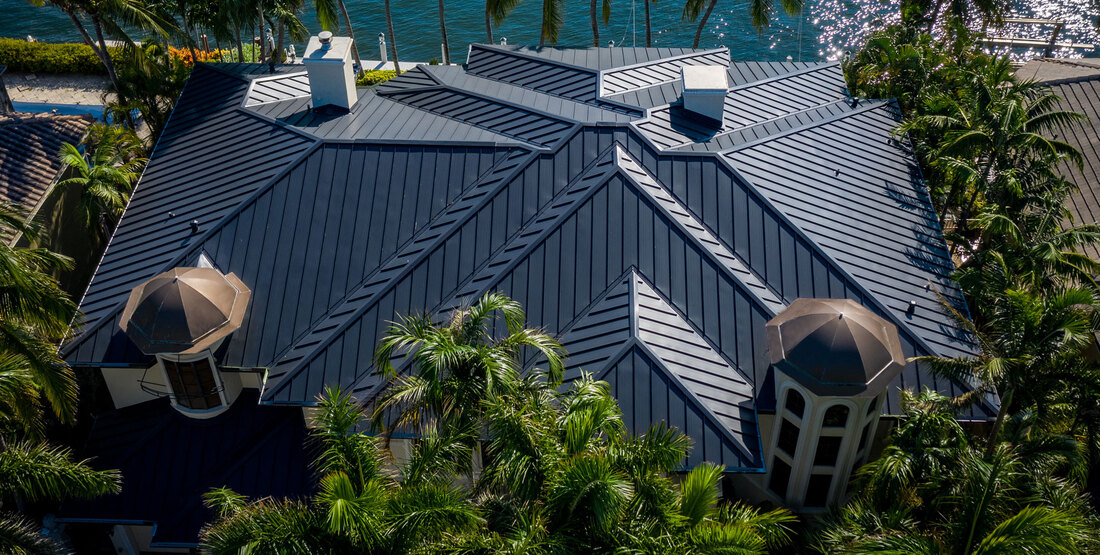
pixel 331 71
pixel 705 89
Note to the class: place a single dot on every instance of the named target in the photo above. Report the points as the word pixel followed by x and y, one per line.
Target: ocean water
pixel 825 29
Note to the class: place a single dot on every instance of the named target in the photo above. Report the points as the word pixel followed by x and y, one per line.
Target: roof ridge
pixel 812 245
pixel 197 243
pixel 870 105
pixel 533 57
pixel 406 261
pixel 702 405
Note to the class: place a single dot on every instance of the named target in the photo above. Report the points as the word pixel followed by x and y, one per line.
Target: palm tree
pixel 983 141
pixel 110 17
pixel 443 31
pixel 1026 339
pixel 459 364
pixel 105 178
pixel 34 316
pixel 761 13
pixel 40 472
pixel 495 12
pixel 393 38
pixel 605 15
pixel 932 491
pixel 358 508
pixel 327 16
pixel 552 18
pixel 565 476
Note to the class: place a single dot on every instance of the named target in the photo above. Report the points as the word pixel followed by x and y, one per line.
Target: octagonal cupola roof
pixel 835 347
pixel 184 310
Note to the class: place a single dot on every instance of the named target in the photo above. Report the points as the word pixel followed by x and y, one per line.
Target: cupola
pixel 180 316
pixel 833 360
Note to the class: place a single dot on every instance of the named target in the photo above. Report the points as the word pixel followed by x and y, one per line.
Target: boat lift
pixel 1048 46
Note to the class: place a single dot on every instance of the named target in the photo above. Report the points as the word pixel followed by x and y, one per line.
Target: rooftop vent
pixel 331 72
pixel 705 89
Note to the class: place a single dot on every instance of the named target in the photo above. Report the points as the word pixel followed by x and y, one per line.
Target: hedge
pixel 374 77
pixel 43 57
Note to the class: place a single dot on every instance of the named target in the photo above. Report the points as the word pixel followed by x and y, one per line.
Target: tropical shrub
pixel 562 473
pixel 43 57
pixel 374 77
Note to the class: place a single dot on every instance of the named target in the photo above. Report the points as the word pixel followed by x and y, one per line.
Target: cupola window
pixel 795 403
pixel 194 383
pixel 828 447
pixel 835 417
pixel 788 437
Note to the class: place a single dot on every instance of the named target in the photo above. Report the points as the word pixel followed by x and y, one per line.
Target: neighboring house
pixel 29 146
pixel 1077 82
pixel 654 208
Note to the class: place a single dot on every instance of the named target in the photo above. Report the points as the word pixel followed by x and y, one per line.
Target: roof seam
pixel 199 241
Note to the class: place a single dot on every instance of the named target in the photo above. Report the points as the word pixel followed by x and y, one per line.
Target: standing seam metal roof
pixel 442 184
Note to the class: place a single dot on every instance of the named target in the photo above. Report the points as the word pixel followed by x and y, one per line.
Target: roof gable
pixel 479 180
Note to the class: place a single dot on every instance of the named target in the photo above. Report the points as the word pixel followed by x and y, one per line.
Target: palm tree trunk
pixel 280 56
pixel 190 38
pixel 648 28
pixel 240 46
pixel 935 14
pixel 1002 411
pixel 595 24
pixel 393 38
pixel 443 28
pixel 488 24
pixel 351 34
pixel 703 23
pixel 262 34
pixel 103 55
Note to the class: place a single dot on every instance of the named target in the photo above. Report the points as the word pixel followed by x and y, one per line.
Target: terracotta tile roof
pixel 29 144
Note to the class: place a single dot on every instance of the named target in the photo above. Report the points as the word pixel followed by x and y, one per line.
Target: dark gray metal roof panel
pixel 532 127
pixel 749 105
pixel 196 173
pixel 852 190
pixel 1082 95
pixel 741 73
pixel 281 87
pixel 377 118
pixel 558 107
pixel 656 72
pixel 593 58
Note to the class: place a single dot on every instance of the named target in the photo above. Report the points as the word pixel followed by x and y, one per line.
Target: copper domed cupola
pixel 184 310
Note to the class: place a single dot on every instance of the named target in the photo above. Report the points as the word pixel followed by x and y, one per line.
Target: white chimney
pixel 331 72
pixel 705 89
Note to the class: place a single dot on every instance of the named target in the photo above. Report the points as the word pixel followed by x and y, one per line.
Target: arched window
pixel 788 437
pixel 795 403
pixel 835 417
pixel 193 383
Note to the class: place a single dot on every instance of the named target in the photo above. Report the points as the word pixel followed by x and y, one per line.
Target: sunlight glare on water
pixel 824 32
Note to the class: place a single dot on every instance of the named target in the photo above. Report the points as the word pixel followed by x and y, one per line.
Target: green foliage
pixel 150 82
pixel 374 77
pixel 105 176
pixel 43 57
pixel 561 474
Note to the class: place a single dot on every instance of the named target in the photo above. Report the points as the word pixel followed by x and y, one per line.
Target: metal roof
pixel 168 461
pixel 1077 82
pixel 447 182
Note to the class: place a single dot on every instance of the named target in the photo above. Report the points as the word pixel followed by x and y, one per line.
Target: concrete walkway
pixel 57 89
